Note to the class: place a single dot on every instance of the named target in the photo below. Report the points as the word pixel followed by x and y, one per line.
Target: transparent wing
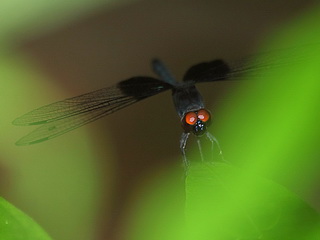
pixel 56 128
pixel 219 70
pixel 64 116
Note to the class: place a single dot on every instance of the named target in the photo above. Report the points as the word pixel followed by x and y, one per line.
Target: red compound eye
pixel 191 118
pixel 203 115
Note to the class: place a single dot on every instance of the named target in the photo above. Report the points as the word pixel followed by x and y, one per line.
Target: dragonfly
pixel 63 116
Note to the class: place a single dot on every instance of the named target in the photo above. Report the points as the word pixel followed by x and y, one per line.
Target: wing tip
pixel 16 122
pixel 21 122
pixel 24 142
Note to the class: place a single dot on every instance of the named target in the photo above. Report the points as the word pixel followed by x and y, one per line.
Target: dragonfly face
pixel 196 122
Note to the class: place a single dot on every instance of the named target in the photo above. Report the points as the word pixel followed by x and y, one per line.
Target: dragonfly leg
pixel 200 149
pixel 215 141
pixel 183 143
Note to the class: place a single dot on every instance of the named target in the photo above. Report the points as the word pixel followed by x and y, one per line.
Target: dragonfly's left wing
pixel 63 116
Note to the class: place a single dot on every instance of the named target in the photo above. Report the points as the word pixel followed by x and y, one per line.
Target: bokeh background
pixel 82 184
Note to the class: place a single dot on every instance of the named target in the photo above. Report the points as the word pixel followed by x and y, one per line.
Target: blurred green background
pixel 114 178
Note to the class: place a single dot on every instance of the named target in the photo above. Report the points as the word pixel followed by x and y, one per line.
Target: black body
pixel 186 99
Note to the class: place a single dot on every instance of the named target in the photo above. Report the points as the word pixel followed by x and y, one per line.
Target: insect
pixel 63 116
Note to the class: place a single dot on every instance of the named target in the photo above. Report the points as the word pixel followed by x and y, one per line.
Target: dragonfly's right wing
pixel 218 70
pixel 64 116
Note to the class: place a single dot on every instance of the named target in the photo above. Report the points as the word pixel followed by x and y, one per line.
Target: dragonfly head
pixel 196 121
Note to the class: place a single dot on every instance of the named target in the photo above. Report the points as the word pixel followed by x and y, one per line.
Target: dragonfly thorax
pixel 186 99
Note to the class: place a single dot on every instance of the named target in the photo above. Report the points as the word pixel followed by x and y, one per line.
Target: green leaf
pixel 224 202
pixel 15 225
